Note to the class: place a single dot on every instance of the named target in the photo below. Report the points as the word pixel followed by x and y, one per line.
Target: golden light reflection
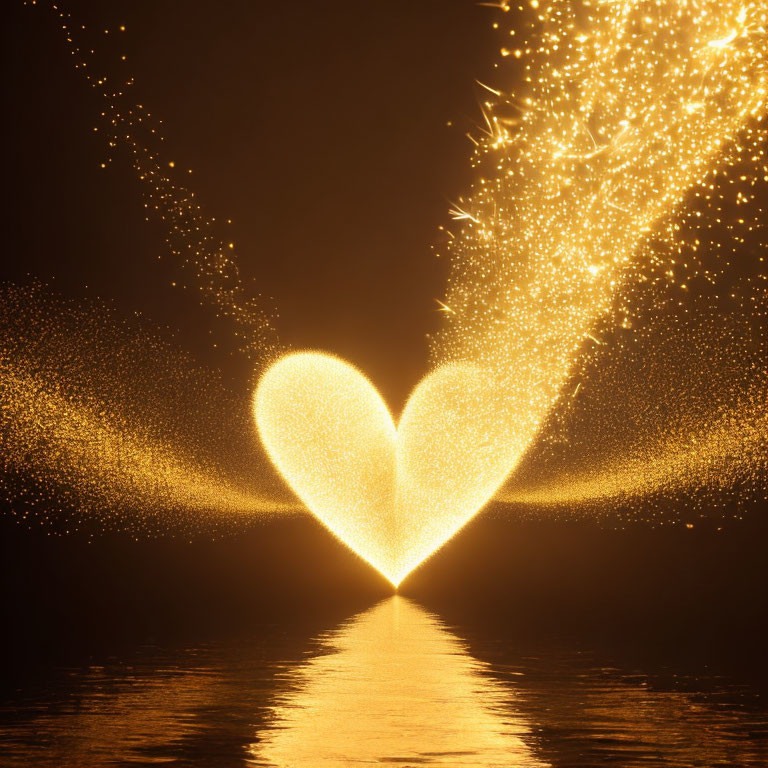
pixel 392 687
pixel 398 672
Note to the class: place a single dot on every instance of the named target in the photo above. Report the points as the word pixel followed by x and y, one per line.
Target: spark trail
pixel 101 424
pixel 198 242
pixel 630 111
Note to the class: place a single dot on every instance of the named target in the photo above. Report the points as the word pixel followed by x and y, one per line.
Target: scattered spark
pixel 488 88
pixel 677 414
pixel 459 214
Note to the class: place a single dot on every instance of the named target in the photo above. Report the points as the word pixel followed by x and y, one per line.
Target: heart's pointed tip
pixel 393 582
pixel 395 579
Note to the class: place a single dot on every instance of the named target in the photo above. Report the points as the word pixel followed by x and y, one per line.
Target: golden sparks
pixel 102 426
pixel 198 242
pixel 678 413
pixel 636 121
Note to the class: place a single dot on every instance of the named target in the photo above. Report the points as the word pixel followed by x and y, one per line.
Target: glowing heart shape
pixel 392 494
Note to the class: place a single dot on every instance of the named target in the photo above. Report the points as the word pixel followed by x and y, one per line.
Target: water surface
pixel 392 685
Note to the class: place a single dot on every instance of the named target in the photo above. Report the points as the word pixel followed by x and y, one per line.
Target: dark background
pixel 321 130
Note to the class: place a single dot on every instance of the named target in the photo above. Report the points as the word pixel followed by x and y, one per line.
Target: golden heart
pixel 392 494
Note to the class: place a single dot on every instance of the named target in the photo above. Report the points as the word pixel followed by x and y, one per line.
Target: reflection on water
pixel 391 686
